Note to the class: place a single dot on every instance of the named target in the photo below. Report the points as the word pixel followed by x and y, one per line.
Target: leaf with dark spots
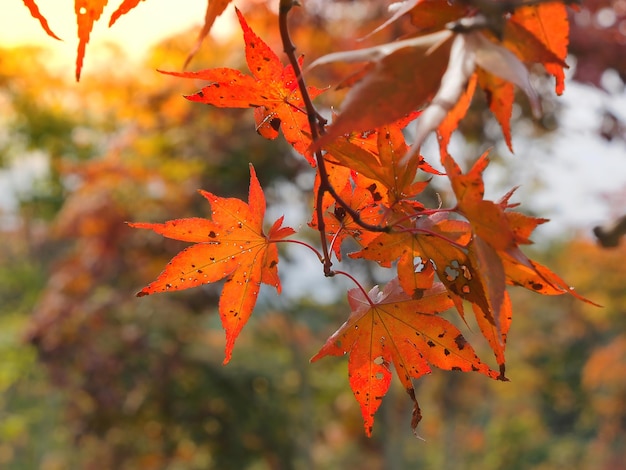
pixel 521 271
pixel 496 336
pixel 339 224
pixel 389 327
pixel 378 158
pixel 241 253
pixel 272 90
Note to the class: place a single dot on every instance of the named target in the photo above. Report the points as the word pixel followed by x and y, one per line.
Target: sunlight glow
pixel 147 24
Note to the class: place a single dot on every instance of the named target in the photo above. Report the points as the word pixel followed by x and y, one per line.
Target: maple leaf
pixel 500 96
pixel 389 327
pixel 390 89
pixel 214 9
pixel 231 245
pixel 487 218
pixel 376 158
pixel 339 224
pixel 271 87
pixel 540 33
pixel 35 13
pixel 87 13
pixel 124 8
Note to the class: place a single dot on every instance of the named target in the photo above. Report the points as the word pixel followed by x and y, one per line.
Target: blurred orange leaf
pixel 548 24
pixel 214 9
pixel 34 11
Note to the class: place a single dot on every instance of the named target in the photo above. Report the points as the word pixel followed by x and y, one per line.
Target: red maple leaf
pixel 389 327
pixel 271 88
pixel 231 245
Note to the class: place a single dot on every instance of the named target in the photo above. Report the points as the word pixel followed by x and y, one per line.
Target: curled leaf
pixel 390 90
pixel 501 62
pixel 461 65
pixel 468 51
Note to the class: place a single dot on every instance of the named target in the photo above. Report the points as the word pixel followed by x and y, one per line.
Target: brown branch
pixel 609 235
pixel 316 123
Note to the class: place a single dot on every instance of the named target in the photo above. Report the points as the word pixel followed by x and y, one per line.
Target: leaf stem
pixel 358 284
pixel 299 242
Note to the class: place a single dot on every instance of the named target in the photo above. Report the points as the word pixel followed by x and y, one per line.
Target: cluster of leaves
pixel 368 187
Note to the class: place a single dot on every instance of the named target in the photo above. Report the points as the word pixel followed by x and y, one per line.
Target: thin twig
pixel 317 123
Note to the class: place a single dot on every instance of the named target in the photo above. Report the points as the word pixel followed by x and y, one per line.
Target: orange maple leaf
pixel 500 96
pixel 87 13
pixel 540 33
pixel 389 90
pixel 487 218
pixel 496 234
pixel 338 223
pixel 389 327
pixel 214 9
pixel 271 87
pixel 35 13
pixel 231 245
pixel 379 158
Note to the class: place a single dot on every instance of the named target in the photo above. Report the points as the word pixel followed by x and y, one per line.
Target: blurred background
pixel 93 378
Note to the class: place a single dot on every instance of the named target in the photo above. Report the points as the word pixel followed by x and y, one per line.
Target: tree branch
pixel 609 235
pixel 316 123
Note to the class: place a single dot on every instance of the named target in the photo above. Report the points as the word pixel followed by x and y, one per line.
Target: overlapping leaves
pixel 490 42
pixel 369 188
